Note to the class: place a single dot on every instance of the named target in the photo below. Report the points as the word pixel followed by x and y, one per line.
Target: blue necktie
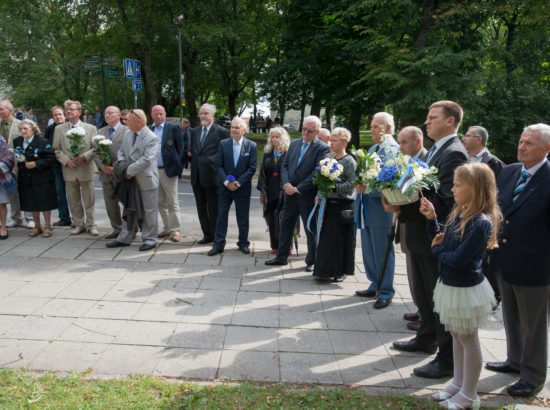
pixel 521 185
pixel 111 132
pixel 302 152
pixel 430 153
pixel 204 131
pixel 235 153
pixel 135 138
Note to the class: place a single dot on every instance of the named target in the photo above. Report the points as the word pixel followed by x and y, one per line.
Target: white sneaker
pixel 11 224
pixel 30 225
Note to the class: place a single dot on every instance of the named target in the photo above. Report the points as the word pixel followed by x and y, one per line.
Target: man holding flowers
pixel 107 143
pixel 72 143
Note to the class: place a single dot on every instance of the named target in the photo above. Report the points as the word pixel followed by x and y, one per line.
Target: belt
pixel 161 167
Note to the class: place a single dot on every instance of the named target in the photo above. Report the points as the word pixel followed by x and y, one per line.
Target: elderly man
pixel 9 129
pixel 237 161
pixel 522 261
pixel 58 116
pixel 447 153
pixel 78 169
pixel 114 131
pixel 375 222
pixel 411 143
pixel 139 150
pixel 475 142
pixel 297 172
pixel 205 141
pixel 324 135
pixel 169 166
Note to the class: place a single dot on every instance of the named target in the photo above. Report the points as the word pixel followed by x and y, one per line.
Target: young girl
pixel 463 297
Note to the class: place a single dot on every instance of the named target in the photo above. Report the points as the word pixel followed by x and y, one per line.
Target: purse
pixel 347 216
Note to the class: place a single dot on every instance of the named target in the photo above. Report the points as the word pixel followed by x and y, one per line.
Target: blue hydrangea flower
pixel 419 162
pixel 387 173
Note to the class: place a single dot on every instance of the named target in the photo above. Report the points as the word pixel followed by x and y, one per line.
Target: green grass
pixel 20 389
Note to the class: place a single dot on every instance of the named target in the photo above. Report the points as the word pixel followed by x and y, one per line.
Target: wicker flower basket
pixel 398 198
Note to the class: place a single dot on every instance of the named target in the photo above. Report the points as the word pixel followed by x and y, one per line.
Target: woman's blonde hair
pixel 483 201
pixel 285 139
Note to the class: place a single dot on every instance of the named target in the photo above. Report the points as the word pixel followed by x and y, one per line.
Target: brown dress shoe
pixel 175 237
pixel 414 325
pixel 163 234
pixel 411 317
pixel 112 235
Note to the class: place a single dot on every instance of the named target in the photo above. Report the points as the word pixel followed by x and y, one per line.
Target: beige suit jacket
pixel 62 147
pixel 115 146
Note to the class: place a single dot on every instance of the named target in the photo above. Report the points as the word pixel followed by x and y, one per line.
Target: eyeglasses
pixel 132 112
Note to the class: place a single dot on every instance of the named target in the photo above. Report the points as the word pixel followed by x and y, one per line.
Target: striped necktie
pixel 203 137
pixel 302 152
pixel 111 132
pixel 521 185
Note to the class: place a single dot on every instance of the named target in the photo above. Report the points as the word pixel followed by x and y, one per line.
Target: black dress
pixel 36 186
pixel 269 184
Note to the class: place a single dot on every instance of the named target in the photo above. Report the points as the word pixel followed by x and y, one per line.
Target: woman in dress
pixel 336 244
pixel 36 176
pixel 7 184
pixel 269 181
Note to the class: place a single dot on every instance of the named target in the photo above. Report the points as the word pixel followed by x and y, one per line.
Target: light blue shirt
pixel 531 171
pixel 158 132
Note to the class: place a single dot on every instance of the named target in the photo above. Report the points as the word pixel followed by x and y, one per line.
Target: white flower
pixel 105 142
pixel 361 153
pixel 333 176
pixel 340 167
pixel 325 170
pixel 77 131
pixel 98 138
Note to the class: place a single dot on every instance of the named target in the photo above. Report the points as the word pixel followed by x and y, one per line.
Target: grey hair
pixel 7 103
pixel 480 131
pixel 413 132
pixel 241 122
pixel 285 139
pixel 211 108
pixel 32 124
pixel 313 119
pixel 341 132
pixel 544 130
pixel 387 118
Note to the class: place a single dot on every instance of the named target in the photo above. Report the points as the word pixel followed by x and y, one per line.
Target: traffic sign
pixel 111 73
pixel 110 59
pixel 111 67
pixel 182 90
pixel 91 57
pixel 183 101
pixel 136 85
pixel 87 61
pixel 90 66
pixel 129 68
pixel 137 69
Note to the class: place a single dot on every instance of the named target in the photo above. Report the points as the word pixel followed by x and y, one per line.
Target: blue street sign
pixel 128 68
pixel 136 85
pixel 137 69
pixel 182 87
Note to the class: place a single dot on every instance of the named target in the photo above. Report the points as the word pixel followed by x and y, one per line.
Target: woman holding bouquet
pixel 7 184
pixel 336 242
pixel 36 176
pixel 269 181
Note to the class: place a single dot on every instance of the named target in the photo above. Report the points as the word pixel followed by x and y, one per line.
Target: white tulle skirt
pixel 463 310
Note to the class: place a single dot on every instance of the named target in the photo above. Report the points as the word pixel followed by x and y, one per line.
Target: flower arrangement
pixel 368 165
pixel 76 139
pixel 104 150
pixel 327 173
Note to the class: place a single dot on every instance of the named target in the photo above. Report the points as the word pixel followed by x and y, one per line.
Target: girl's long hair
pixel 484 199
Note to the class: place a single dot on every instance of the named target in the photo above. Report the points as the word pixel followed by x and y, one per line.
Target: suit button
pixel 504 241
pixel 507 221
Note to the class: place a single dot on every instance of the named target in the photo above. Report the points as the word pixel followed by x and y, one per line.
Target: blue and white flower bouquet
pixel 327 174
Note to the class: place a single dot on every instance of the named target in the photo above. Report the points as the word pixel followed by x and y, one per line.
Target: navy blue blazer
pixel 204 158
pixel 171 148
pixel 523 255
pixel 301 175
pixel 245 169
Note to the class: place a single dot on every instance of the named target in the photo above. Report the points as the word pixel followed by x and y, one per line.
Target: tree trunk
pixel 316 106
pixel 354 124
pixel 302 115
pixel 328 115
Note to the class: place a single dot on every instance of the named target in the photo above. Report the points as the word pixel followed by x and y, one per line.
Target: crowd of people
pixel 479 240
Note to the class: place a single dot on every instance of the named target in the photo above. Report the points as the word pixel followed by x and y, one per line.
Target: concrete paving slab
pixel 19 353
pixel 6 322
pixel 258 300
pixel 309 368
pixel 68 356
pixel 189 363
pixel 123 360
pixel 252 284
pixel 10 287
pixel 41 289
pixel 205 297
pixel 249 365
pixel 255 317
pixel 210 315
pixel 86 289
pixel 357 343
pixel 145 333
pixel 304 340
pixel 165 312
pixel 302 319
pixel 105 309
pixel 73 308
pixel 198 336
pixel 38 328
pixel 92 330
pixel 129 291
pixel 369 370
pixel 252 338
pixel 220 283
pixel 15 305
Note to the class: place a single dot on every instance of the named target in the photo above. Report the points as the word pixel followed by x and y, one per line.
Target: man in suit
pixel 522 261
pixel 9 129
pixel 114 132
pixel 169 166
pixel 447 153
pixel 237 160
pixel 376 223
pixel 324 135
pixel 78 170
pixel 205 141
pixel 58 116
pixel 475 142
pixel 297 172
pixel 411 143
pixel 140 149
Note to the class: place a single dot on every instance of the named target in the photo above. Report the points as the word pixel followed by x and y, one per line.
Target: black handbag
pixel 347 216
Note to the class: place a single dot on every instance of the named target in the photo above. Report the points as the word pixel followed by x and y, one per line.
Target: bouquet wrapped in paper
pixel 76 137
pixel 327 174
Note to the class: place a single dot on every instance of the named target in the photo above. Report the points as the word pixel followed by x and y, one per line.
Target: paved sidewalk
pixel 68 303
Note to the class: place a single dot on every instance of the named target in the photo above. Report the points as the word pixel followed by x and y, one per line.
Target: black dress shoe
pixel 147 247
pixel 382 303
pixel 275 261
pixel 433 370
pixel 521 388
pixel 116 244
pixel 214 251
pixel 310 268
pixel 414 346
pixel 502 367
pixel 365 293
pixel 3 237
pixel 205 240
pixel 245 250
pixel 339 278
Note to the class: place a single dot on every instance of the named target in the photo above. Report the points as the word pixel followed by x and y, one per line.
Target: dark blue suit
pixel 522 264
pixel 171 148
pixel 301 176
pixel 243 172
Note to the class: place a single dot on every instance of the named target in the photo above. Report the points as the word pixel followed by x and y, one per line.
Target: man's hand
pixel 290 190
pixel 390 208
pixel 128 176
pixel 262 199
pixel 361 188
pixel 427 209
pixel 189 154
pixel 232 186
pixel 106 170
pixel 30 165
pixel 71 163
pixel 438 239
pixel 79 159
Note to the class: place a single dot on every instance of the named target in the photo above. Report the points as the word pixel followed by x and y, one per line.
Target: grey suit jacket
pixel 62 147
pixel 116 143
pixel 142 157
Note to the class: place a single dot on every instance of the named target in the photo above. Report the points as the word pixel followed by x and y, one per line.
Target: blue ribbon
pixel 361 217
pixel 322 207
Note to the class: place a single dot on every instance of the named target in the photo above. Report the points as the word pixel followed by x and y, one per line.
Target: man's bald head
pixel 410 140
pixel 137 120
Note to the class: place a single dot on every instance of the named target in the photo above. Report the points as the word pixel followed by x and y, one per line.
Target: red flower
pixel 275 174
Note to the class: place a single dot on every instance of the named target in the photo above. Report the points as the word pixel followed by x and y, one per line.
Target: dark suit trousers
pixel 293 208
pixel 525 310
pixel 207 208
pixel 425 278
pixel 242 210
